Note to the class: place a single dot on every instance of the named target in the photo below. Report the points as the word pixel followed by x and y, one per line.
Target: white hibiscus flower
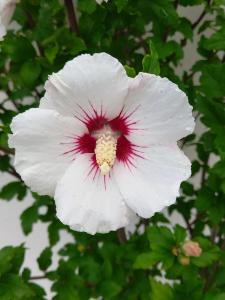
pixel 104 145
pixel 101 1
pixel 7 8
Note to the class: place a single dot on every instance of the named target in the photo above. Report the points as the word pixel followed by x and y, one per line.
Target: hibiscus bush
pixel 157 258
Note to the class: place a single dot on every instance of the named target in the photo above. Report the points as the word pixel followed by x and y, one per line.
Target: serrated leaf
pixel 12 190
pixel 12 287
pixel 11 259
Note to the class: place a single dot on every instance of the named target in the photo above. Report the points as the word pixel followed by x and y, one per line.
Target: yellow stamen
pixel 105 152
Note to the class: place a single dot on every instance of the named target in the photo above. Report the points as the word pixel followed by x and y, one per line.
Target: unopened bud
pixel 80 247
pixel 184 260
pixel 175 251
pixel 191 248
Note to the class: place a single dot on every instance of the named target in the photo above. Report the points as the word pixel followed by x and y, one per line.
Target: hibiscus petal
pixel 159 110
pixel 87 204
pixel 41 138
pixel 7 8
pixel 87 82
pixel 153 183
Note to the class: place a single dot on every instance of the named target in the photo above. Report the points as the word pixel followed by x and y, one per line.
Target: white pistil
pixel 105 152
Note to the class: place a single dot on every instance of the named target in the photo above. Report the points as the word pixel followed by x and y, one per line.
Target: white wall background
pixel 10 229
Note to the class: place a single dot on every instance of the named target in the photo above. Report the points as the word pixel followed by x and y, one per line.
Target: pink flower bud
pixel 191 248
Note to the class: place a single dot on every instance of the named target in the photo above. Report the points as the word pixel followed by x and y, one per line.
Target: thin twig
pixel 32 24
pixel 13 172
pixel 71 16
pixel 38 277
pixel 189 227
pixel 215 268
pixel 195 24
pixel 2 108
pixel 204 172
pixel 7 150
pixel 214 233
pixel 202 15
pixel 121 235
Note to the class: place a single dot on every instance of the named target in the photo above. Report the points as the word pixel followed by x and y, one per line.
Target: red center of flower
pixel 106 139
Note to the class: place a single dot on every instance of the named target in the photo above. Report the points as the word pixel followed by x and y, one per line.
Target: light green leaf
pixel 150 62
pixel 160 291
pixel 146 260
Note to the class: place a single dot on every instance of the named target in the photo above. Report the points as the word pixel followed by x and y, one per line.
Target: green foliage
pixel 160 291
pixel 12 285
pixel 13 189
pixel 147 36
pixel 150 61
pixel 45 259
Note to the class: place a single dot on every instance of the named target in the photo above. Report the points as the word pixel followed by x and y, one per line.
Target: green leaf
pixel 5 163
pixel 26 274
pixel 212 80
pixel 87 6
pixel 53 232
pixel 150 63
pixel 219 169
pixel 146 260
pixel 51 53
pixel 130 71
pixel 28 218
pixel 30 72
pixel 45 259
pixel 216 41
pixel 66 292
pixel 18 48
pixel 162 247
pixel 214 296
pixel 180 234
pixel 210 253
pixel 187 188
pixel 13 189
pixel 120 4
pixel 165 241
pixel 38 290
pixel 160 291
pixel 185 28
pixel 11 259
pixel 77 45
pixel 110 289
pixel 165 49
pixel 12 287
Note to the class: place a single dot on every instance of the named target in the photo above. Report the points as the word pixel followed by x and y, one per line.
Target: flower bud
pixel 184 260
pixel 191 248
pixel 175 251
pixel 80 247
